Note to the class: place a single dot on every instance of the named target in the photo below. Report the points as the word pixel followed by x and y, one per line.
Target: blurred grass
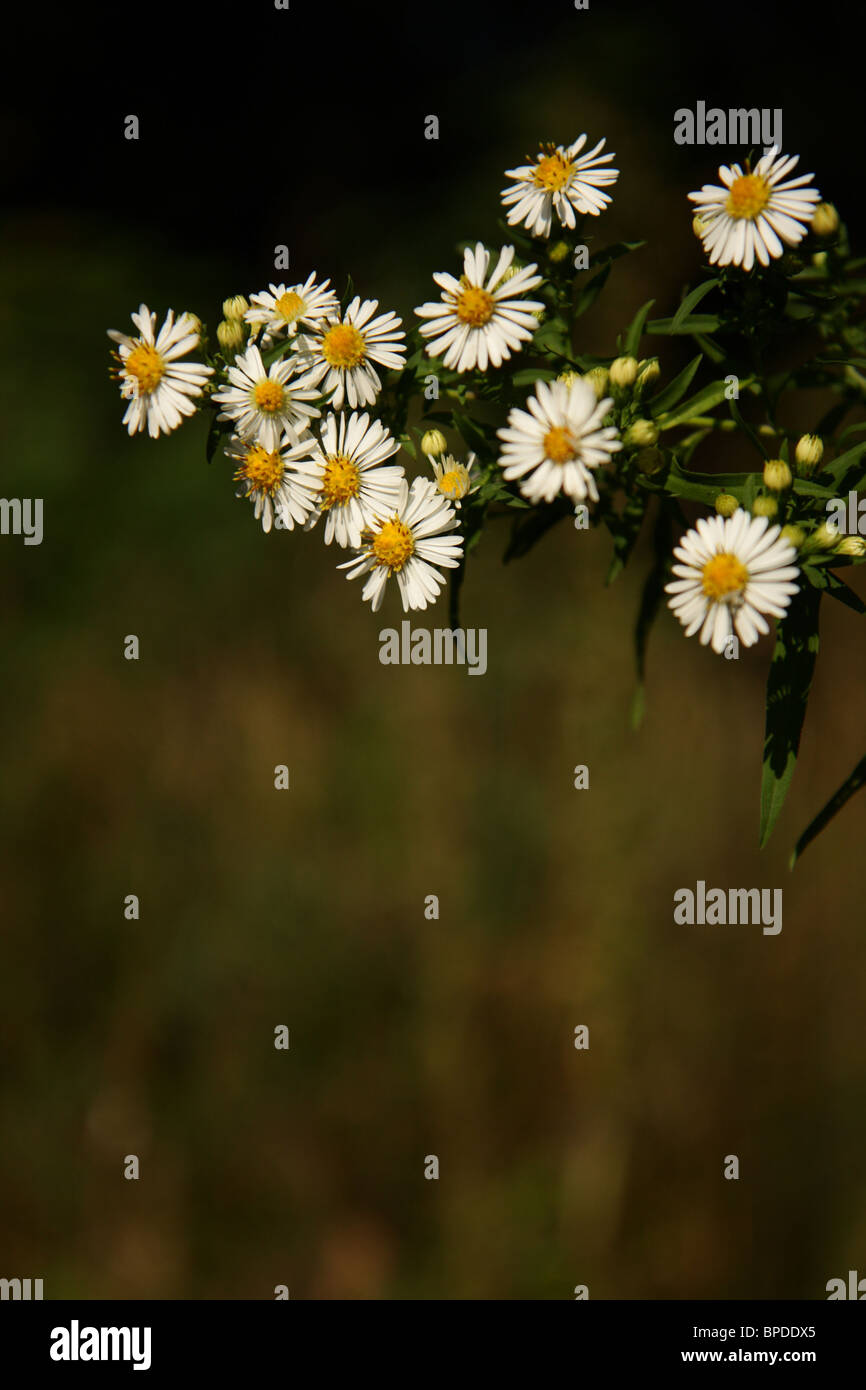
pixel 408 1037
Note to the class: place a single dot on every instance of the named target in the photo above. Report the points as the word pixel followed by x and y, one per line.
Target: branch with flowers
pixel 311 398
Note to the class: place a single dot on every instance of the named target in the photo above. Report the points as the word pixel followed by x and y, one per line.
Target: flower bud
pixel 650 461
pixel 699 226
pixel 235 308
pixel 767 431
pixel 559 252
pixel 765 506
pixel 230 334
pixel 819 260
pixel 808 455
pixel 725 504
pixel 777 475
pixel 569 377
pixel 433 443
pixel 825 220
pixel 826 537
pixel 598 378
pixel 648 373
pixel 623 372
pixel 795 535
pixel 852 545
pixel 641 433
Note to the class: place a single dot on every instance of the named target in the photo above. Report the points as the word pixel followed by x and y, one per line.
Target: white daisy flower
pixel 455 480
pixel 731 571
pixel 555 445
pixel 755 213
pixel 340 352
pixel 481 317
pixel 561 180
pixel 353 487
pixel 160 389
pixel 281 483
pixel 410 544
pixel 285 309
pixel 263 403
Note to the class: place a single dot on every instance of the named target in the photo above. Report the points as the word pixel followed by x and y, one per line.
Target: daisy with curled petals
pixel 281 309
pixel 340 352
pixel 555 445
pixel 755 212
pixel 409 545
pixel 559 181
pixel 281 483
pixel 481 317
pixel 353 484
pixel 161 389
pixel 455 480
pixel 263 403
pixel 731 572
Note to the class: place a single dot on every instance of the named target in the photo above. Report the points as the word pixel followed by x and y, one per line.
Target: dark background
pixel 408 1037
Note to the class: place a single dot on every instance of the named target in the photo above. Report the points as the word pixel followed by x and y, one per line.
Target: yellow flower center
pixel 268 395
pixel 341 480
pixel 724 576
pixel 261 471
pixel 552 172
pixel 147 366
pixel 748 196
pixel 393 546
pixel 453 483
pixel 289 306
pixel 474 306
pixel 559 446
pixel 343 346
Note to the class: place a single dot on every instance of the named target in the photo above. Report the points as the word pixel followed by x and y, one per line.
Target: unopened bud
pixel 641 433
pixel 826 537
pixel 808 454
pixel 826 220
pixel 648 373
pixel 433 443
pixel 699 226
pixel 235 308
pixel 623 372
pixel 795 535
pixel 777 475
pixel 230 334
pixel 852 545
pixel 559 251
pixel 765 506
pixel 726 504
pixel 598 378
pixel 569 377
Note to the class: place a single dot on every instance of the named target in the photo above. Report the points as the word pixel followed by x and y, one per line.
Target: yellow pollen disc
pixel 342 480
pixel 289 306
pixel 474 306
pixel 393 545
pixel 343 346
pixel 147 366
pixel 748 196
pixel 723 576
pixel 552 173
pixel 559 446
pixel 261 471
pixel 268 395
pixel 452 483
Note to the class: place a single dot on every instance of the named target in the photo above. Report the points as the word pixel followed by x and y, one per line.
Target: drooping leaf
pixel 589 294
pixel 706 399
pixel 853 782
pixel 788 686
pixel 651 599
pixel 675 390
pixel 696 323
pixel 634 333
pixel 625 530
pixel 690 302
pixel 528 530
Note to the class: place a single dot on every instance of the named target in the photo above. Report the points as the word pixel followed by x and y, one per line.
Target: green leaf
pixel 788 686
pixel 697 323
pixel 473 434
pixel 705 399
pixel 214 435
pixel 676 389
pixel 651 599
pixel 853 782
pixel 689 303
pixel 528 530
pixel 613 252
pixel 625 530
pixel 527 376
pixel 839 469
pixel 635 329
pixel 838 589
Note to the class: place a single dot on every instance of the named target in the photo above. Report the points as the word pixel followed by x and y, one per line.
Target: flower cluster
pixel 321 404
